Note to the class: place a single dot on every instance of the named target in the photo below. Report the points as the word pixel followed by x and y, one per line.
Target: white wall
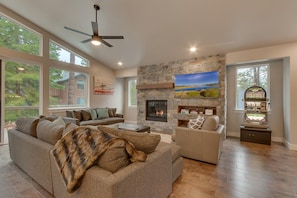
pixel 236 117
pixel 290 92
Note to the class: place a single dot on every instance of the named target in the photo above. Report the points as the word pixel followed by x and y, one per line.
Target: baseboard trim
pixel 233 134
pixel 290 146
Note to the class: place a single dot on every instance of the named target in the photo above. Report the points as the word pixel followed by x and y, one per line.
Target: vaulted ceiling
pixel 160 31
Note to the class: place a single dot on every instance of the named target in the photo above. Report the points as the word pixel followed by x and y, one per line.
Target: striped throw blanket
pixel 79 149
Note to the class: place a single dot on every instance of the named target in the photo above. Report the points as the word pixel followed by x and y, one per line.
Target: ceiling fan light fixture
pixel 96 42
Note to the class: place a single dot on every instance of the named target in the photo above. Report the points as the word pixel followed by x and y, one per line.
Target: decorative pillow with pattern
pixel 86 115
pixel 196 123
pixel 77 115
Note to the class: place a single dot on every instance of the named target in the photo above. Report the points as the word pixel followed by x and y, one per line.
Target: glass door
pixel 21 97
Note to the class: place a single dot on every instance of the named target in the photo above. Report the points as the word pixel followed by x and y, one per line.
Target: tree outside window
pixel 247 76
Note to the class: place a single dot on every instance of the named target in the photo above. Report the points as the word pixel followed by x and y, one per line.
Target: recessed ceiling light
pixel 193 49
pixel 120 63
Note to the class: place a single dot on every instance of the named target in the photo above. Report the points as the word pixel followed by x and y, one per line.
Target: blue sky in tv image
pixel 196 81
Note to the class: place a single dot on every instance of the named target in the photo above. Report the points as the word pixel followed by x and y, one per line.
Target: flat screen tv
pixel 197 85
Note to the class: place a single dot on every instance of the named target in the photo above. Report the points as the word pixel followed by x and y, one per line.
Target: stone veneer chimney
pixel 164 73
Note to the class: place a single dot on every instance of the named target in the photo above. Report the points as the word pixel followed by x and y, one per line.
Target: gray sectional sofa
pixel 32 140
pixel 94 116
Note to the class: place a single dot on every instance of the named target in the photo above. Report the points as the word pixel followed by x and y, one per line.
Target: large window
pixel 57 52
pixel 250 75
pixel 21 91
pixel 68 89
pixel 18 37
pixel 132 93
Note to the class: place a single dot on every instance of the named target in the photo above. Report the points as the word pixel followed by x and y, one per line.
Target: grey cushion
pixel 115 157
pixel 145 142
pixel 59 121
pixel 211 123
pixel 93 114
pixel 69 127
pixel 49 132
pixel 27 125
pixel 102 113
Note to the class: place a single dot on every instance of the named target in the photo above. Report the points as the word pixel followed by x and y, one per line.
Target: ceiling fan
pixel 96 39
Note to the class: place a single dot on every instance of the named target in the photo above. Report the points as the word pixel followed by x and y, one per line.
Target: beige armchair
pixel 200 144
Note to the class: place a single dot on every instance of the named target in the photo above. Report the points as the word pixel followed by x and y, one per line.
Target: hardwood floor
pixel 245 170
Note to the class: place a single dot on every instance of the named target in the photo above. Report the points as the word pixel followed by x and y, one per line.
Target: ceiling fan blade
pixel 112 37
pixel 74 30
pixel 95 27
pixel 106 43
pixel 87 40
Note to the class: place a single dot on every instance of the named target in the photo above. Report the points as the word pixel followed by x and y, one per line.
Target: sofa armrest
pixel 119 115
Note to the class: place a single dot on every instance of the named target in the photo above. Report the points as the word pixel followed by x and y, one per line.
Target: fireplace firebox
pixel 156 110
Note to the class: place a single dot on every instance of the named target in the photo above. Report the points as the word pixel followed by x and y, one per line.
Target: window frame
pixel 71 53
pixel 257 65
pixel 86 89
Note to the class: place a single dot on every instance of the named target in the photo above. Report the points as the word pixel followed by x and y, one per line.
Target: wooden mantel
pixel 156 86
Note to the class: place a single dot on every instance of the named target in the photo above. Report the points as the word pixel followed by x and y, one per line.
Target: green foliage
pixel 22 81
pixel 16 37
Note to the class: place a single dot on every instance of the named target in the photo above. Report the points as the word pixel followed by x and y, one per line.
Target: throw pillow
pixel 69 127
pixel 211 123
pixel 115 157
pixel 102 113
pixel 49 131
pixel 59 121
pixel 85 115
pixel 145 142
pixel 27 125
pixel 196 123
pixel 69 113
pixel 93 114
pixel 112 112
pixel 77 115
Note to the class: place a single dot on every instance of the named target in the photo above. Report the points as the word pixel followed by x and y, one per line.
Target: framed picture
pixel 103 86
pixel 197 85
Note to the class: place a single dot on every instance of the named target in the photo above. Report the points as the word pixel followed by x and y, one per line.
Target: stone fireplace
pixel 156 110
pixel 152 84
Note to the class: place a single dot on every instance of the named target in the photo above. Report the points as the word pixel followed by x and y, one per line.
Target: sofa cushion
pixel 49 131
pixel 86 115
pixel 93 114
pixel 145 142
pixel 211 123
pixel 69 113
pixel 69 127
pixel 59 121
pixel 112 112
pixel 115 157
pixel 102 113
pixel 77 115
pixel 27 125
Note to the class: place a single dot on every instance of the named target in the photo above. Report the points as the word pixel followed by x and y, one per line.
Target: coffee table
pixel 131 127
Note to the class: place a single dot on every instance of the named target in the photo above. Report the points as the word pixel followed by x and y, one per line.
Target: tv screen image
pixel 197 85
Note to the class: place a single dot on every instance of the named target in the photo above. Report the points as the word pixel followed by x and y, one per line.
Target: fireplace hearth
pixel 156 110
